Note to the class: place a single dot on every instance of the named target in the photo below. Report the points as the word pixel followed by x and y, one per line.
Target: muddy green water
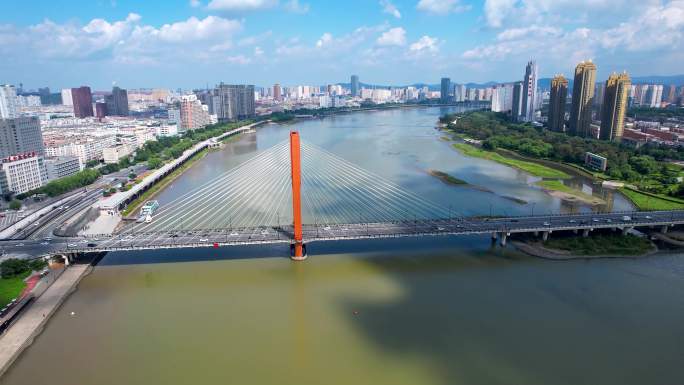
pixel 408 311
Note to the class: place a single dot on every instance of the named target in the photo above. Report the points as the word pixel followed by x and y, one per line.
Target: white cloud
pixel 388 7
pixel 295 7
pixel 241 5
pixel 394 36
pixel 497 10
pixel 325 40
pixel 195 29
pixel 195 3
pixel 258 51
pixel 425 44
pixel 441 7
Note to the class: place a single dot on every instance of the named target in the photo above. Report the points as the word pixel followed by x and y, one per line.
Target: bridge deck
pixel 327 232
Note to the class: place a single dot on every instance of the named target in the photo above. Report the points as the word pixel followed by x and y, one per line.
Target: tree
pixel 13 267
pixel 154 163
pixel 15 204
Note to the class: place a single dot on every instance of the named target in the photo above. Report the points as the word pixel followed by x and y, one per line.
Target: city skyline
pixel 134 45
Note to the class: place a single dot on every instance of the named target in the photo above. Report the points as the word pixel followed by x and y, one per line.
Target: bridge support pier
pixel 625 230
pixel 545 236
pixel 585 232
pixel 664 229
pixel 502 238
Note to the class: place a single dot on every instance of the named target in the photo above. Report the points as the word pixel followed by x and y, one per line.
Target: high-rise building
pixel 355 85
pixel 83 102
pixel 117 102
pixel 529 95
pixel 502 98
pixel 614 106
pixel 20 135
pixel 236 102
pixel 100 110
pixel 67 100
pixel 277 92
pixel 598 98
pixel 670 93
pixel 559 93
pixel 444 91
pixel 8 102
pixel 193 114
pixel 582 99
pixel 460 92
pixel 516 107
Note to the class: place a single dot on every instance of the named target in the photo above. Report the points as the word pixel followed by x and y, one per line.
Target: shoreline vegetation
pixel 531 168
pixel 651 182
pixel 446 178
pixel 591 247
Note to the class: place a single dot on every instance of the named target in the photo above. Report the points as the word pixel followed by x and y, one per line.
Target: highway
pixel 142 240
pixel 326 232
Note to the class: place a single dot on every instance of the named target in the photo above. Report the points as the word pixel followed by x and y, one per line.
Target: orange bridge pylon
pixel 299 249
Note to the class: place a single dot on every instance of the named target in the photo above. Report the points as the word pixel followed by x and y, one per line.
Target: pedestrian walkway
pixel 21 334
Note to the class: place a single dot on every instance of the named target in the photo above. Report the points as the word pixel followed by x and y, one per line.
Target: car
pixel 204 240
pixel 264 232
pixel 92 244
pixel 174 236
pixel 572 221
pixel 45 243
pixel 72 245
pixel 83 241
pixel 44 272
pixel 95 239
pixel 514 220
pixel 609 220
pixel 344 229
pixel 326 228
pixel 595 220
pixel 547 224
pixel 440 228
pixel 626 218
pixel 20 245
pixel 48 239
pixel 234 234
pixel 648 217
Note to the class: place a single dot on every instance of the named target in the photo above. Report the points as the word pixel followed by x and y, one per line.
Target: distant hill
pixel 543 83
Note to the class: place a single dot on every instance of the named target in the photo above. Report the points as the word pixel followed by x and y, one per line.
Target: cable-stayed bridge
pixel 297 192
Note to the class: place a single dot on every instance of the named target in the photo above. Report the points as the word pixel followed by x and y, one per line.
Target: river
pixel 408 311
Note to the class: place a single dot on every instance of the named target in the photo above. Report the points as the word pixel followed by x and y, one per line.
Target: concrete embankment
pixel 21 334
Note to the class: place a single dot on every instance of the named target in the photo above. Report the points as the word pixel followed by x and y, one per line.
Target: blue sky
pixel 190 43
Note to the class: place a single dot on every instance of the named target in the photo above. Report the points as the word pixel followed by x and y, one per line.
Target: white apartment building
pixel 167 130
pixel 62 166
pixel 67 100
pixel 85 150
pixel 8 102
pixel 115 153
pixel 22 173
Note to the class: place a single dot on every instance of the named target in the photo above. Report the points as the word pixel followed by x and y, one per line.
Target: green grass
pixel 529 167
pixel 601 245
pixel 557 185
pixel 647 201
pixel 10 288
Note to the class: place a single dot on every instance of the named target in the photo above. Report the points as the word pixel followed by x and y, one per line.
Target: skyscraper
pixel 236 102
pixel 614 106
pixel 117 102
pixel 21 135
pixel 83 102
pixel 67 100
pixel 355 85
pixel 529 94
pixel 277 92
pixel 559 92
pixel 8 102
pixel 582 99
pixel 516 108
pixel 445 89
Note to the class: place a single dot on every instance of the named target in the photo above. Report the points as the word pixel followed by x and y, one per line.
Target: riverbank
pixel 31 323
pixel 591 247
pixel 557 189
pixel 160 185
pixel 650 202
pixel 531 168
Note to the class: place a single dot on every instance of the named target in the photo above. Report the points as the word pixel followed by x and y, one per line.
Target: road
pixel 326 232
